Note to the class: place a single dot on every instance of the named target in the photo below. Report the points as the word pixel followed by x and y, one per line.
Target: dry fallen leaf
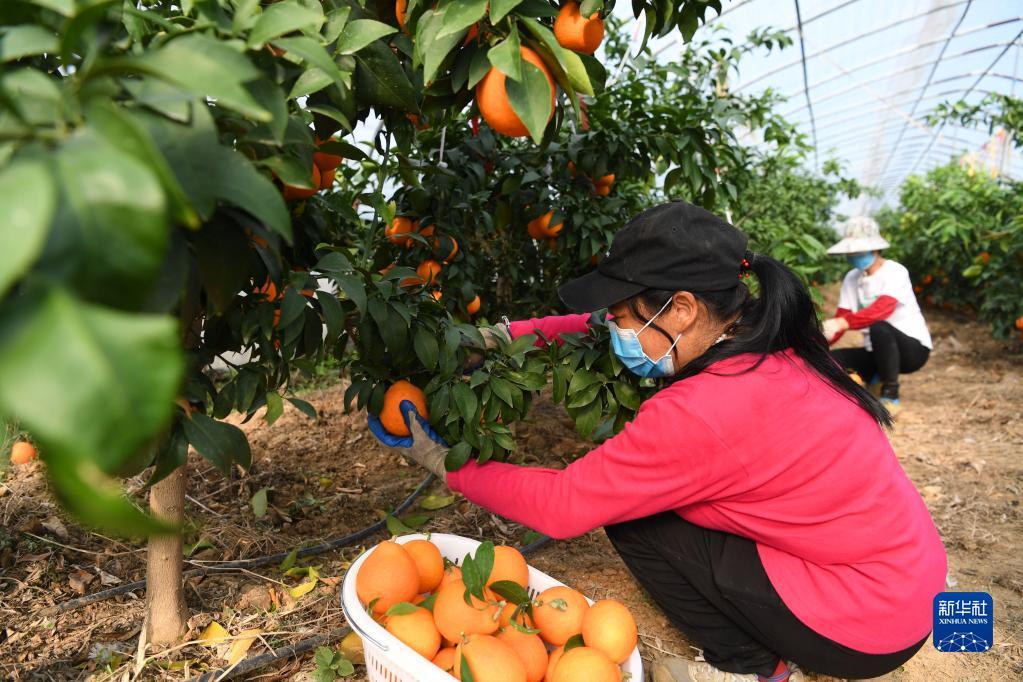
pixel 213 634
pixel 303 589
pixel 351 648
pixel 241 645
pixel 56 526
pixel 80 579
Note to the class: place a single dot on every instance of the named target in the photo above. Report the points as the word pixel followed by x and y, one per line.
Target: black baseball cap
pixel 674 247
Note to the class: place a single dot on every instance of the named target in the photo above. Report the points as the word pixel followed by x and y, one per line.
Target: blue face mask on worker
pixel 625 344
pixel 860 261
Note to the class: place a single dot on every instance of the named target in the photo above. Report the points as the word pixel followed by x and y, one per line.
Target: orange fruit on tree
pixel 327 178
pixel 985 257
pixel 391 417
pixel 454 617
pixel 928 278
pixel 552 662
pixel 445 247
pixel 291 192
pixel 542 226
pixel 474 306
pixel 398 230
pixel 489 659
pixel 558 613
pixel 428 271
pixel 326 161
pixel 585 664
pixel 572 169
pixel 552 244
pixel 387 576
pixel 602 190
pixel 509 564
pixel 400 8
pixel 606 180
pixel 1019 322
pixel 277 317
pixel 23 452
pixel 609 627
pixel 426 231
pixel 530 650
pixel 429 562
pixel 445 659
pixel 268 291
pixel 522 618
pixel 417 630
pixel 576 32
pixel 437 295
pixel 493 102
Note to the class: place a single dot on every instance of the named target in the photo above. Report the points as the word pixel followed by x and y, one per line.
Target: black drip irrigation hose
pixel 304 645
pixel 256 562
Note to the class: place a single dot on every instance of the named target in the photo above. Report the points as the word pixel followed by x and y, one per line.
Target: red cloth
pixel 775 455
pixel 551 327
pixel 879 310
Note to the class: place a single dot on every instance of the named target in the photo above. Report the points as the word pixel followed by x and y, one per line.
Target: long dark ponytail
pixel 780 317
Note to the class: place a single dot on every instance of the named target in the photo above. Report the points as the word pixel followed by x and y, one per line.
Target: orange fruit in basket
pixel 23 452
pixel 388 576
pixel 450 573
pixel 558 613
pixel 445 659
pixel 390 415
pixel 522 618
pixel 530 650
pixel 417 630
pixel 552 661
pixel 509 564
pixel 490 660
pixel 429 562
pixel 493 101
pixel 585 664
pixel 454 617
pixel 577 32
pixel 608 626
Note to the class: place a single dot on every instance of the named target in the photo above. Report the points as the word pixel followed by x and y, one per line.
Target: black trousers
pixel 713 587
pixel 893 353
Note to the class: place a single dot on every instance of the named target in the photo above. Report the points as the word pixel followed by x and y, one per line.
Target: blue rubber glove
pixel 424 446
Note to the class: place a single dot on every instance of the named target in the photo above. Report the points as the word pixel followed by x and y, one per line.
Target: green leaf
pixel 434 502
pixel 627 395
pixel 588 7
pixel 506 57
pixel 433 48
pixel 337 19
pixel 484 562
pixel 324 657
pixel 478 68
pixel 234 179
pixel 360 33
pixel 344 668
pixel 274 407
pixel 379 78
pixel 304 407
pixel 512 591
pixel 457 456
pixel 284 17
pixel 503 390
pixel 206 67
pixel 289 561
pixel 461 15
pixel 311 80
pixel 126 370
pixel 465 674
pixel 258 503
pixel 573 642
pixel 402 608
pixel 499 9
pixel 28 200
pixel 521 344
pixel 584 397
pixel 529 537
pixel 569 61
pixel 25 41
pixel 586 420
pixel 530 99
pixel 221 443
pixel 313 54
pixel 396 527
pixel 581 379
pixel 333 315
pixel 426 348
pixel 197 546
pixel 466 401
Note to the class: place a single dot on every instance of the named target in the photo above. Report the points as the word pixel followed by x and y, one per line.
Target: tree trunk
pixel 165 591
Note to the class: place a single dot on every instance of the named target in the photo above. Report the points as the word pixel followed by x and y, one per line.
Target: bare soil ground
pixel 959 439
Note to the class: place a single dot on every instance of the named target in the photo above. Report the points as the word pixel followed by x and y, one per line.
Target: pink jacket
pixel 775 455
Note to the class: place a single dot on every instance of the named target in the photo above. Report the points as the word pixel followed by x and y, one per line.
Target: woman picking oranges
pixel 756 496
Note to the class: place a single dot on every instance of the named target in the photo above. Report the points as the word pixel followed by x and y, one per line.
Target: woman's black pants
pixel 713 587
pixel 893 353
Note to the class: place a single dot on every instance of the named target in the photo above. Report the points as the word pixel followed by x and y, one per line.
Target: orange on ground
pixel 445 659
pixel 391 416
pixel 509 564
pixel 530 650
pixel 474 306
pixel 388 575
pixel 400 7
pixel 522 619
pixel 429 562
pixel 608 626
pixel 492 98
pixel 490 660
pixel 417 630
pixel 428 271
pixel 398 229
pixel 291 192
pixel 602 190
pixel 23 452
pixel 552 662
pixel 326 162
pixel 585 664
pixel 559 615
pixel 327 178
pixel 454 617
pixel 542 226
pixel 576 32
pixel 451 573
pixel 445 247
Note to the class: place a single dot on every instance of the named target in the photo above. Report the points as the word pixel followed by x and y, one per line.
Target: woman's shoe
pixel 892 405
pixel 672 669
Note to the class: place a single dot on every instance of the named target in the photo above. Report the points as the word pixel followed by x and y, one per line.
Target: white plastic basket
pixel 388 659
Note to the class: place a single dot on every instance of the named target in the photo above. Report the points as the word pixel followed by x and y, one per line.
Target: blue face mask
pixel 625 344
pixel 860 261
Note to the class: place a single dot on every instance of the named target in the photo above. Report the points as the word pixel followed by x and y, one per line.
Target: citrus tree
pixel 169 173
